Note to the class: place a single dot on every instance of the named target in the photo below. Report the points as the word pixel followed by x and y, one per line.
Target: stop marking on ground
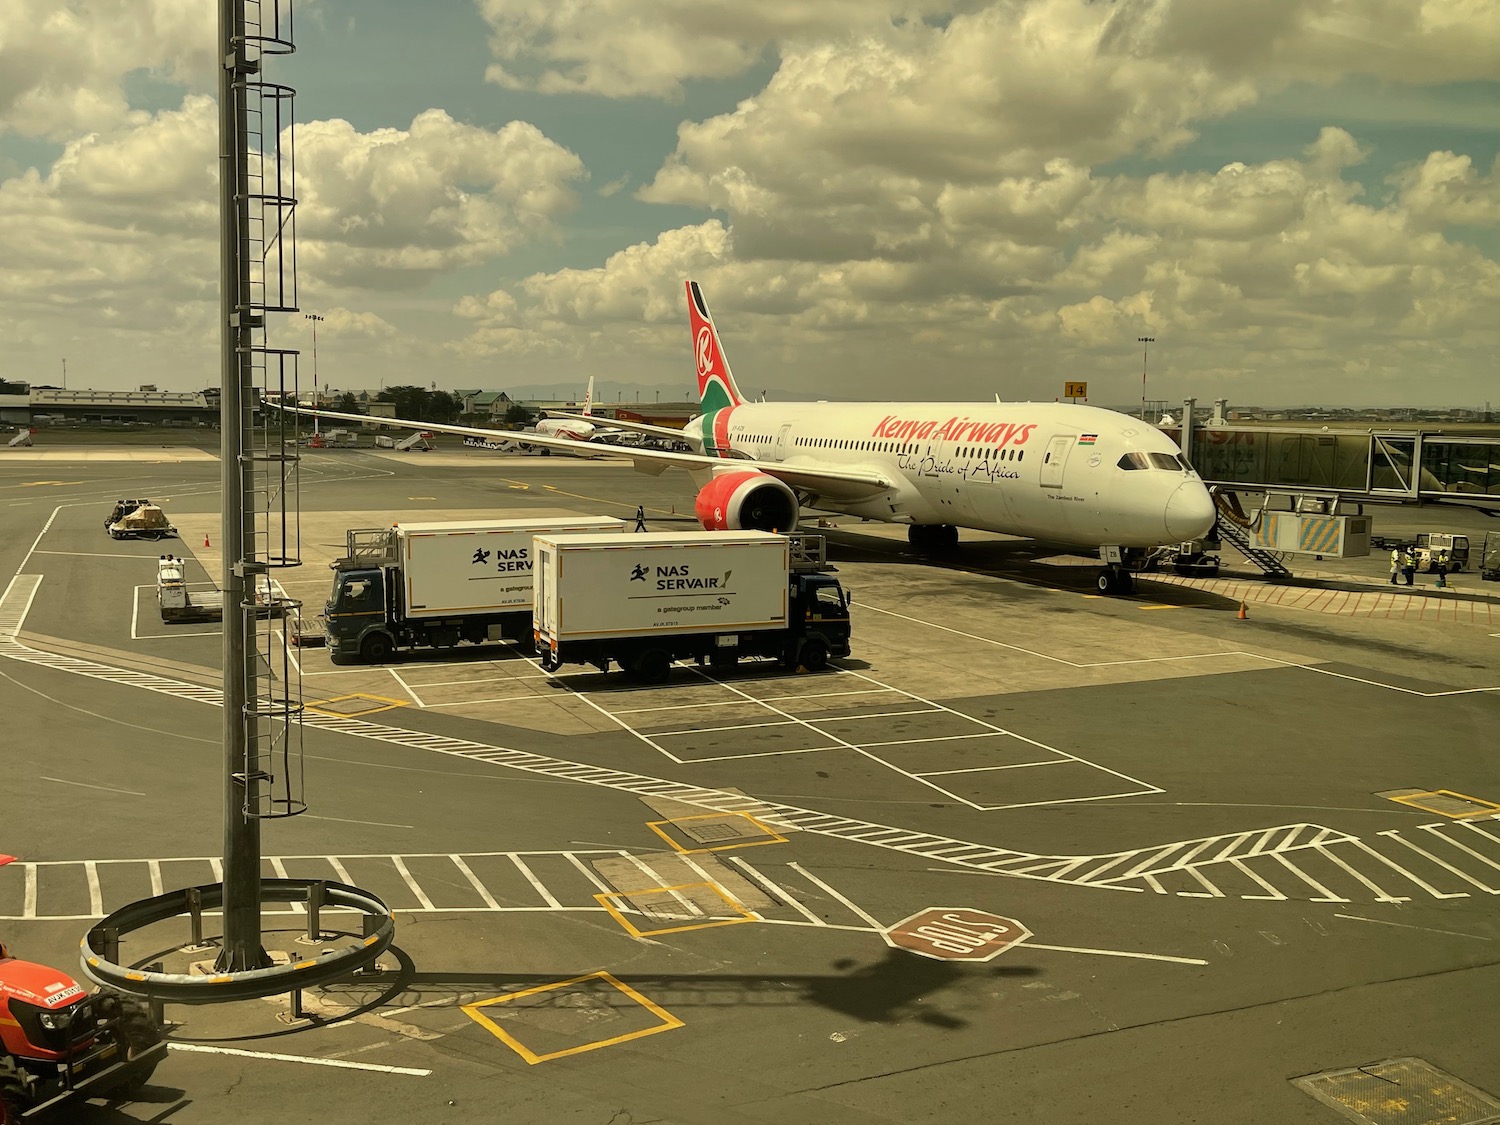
pixel 956 933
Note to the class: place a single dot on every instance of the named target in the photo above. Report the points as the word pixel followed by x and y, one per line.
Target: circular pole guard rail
pixel 250 984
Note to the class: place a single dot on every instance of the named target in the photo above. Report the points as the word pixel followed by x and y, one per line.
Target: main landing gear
pixel 932 537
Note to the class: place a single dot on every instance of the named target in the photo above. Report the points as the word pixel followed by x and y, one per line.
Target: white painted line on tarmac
pixel 341 820
pixel 811 878
pixel 97 555
pixel 1029 944
pixel 85 785
pixel 1406 926
pixel 406 687
pixel 204 1049
pixel 46 527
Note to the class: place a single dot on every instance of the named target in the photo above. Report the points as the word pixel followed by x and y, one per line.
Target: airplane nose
pixel 1190 512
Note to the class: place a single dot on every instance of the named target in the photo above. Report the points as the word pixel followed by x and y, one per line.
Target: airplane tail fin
pixel 716 388
pixel 588 399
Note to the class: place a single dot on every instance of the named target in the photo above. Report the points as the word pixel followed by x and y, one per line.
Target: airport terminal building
pixel 23 405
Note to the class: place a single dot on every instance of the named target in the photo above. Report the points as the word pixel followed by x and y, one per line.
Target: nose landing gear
pixel 1116 575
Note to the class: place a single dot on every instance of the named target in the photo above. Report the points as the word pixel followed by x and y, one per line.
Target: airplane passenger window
pixel 1134 461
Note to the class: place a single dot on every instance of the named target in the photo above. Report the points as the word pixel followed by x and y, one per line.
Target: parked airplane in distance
pixel 1059 472
pixel 576 427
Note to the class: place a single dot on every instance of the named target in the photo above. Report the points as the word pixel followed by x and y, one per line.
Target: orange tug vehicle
pixel 60 1042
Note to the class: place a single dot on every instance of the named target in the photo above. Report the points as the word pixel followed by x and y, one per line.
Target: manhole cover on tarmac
pixel 1404 1091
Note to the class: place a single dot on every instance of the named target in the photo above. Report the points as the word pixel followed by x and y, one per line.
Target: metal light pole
pixel 1145 342
pixel 241 949
pixel 317 401
pixel 65 372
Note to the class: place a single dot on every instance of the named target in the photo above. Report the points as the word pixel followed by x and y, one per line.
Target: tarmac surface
pixel 1236 852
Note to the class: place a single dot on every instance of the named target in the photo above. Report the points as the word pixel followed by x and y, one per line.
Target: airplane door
pixel 1051 473
pixel 781 441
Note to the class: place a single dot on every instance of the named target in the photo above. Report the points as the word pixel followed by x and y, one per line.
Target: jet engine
pixel 747 501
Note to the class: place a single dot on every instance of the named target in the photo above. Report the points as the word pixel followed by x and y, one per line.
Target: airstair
pixel 21 439
pixel 1231 524
pixel 418 440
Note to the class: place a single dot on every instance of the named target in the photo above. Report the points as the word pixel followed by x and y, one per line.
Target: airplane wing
pixel 619 425
pixel 811 480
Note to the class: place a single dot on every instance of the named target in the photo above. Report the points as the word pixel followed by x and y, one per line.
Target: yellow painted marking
pixel 321 705
pixel 519 487
pixel 633 931
pixel 1094 597
pixel 421 497
pixel 668 1020
pixel 1145 607
pixel 775 837
pixel 1415 801
pixel 47 483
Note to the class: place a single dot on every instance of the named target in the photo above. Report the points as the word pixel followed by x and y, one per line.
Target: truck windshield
pixel 357 592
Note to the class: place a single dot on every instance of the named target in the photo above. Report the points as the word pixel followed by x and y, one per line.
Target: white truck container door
pixel 673 582
pixel 450 568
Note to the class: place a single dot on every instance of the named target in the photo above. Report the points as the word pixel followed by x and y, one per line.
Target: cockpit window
pixel 1134 461
pixel 1165 461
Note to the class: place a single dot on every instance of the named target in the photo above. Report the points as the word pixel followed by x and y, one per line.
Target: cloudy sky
pixel 1299 199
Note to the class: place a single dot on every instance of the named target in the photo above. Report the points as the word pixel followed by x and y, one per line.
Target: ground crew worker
pixel 1395 564
pixel 640 517
pixel 1409 565
pixel 1440 564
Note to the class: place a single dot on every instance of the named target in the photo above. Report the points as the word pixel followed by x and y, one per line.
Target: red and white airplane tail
pixel 588 399
pixel 716 388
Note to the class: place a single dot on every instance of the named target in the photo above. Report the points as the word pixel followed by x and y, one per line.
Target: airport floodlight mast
pixel 1145 342
pixel 260 532
pixel 317 402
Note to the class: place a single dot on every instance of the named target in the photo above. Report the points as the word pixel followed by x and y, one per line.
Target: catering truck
pixel 645 600
pixel 438 584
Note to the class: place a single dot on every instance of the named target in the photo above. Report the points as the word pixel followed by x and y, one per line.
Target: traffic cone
pixel 205 540
pixel 1243 615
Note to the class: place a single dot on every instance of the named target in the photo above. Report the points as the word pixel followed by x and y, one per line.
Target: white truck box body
pixel 481 567
pixel 593 587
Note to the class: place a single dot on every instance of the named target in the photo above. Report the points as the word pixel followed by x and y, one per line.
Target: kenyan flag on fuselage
pixel 717 394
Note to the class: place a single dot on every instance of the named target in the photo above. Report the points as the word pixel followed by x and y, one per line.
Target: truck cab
pixel 819 611
pixel 356 614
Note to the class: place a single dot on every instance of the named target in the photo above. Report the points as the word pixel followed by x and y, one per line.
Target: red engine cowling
pixel 747 501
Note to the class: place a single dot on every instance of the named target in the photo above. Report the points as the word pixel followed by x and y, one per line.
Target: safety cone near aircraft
pixel 1077 475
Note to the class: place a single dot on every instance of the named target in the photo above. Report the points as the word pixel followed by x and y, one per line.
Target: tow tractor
pixel 60 1042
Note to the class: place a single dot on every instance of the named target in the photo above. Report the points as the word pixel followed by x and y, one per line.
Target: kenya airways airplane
pixel 577 427
pixel 1059 472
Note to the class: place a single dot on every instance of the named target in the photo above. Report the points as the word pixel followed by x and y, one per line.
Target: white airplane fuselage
pixel 1054 471
pixel 569 428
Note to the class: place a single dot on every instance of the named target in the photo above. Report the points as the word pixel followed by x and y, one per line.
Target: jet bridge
pixel 1377 465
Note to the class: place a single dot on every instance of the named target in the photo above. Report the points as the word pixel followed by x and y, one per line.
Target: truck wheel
pixel 814 655
pixel 653 666
pixel 376 648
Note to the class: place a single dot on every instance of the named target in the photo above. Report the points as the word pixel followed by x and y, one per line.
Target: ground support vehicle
pixel 59 1042
pixel 1436 546
pixel 642 601
pixel 438 584
pixel 1489 557
pixel 138 519
pixel 177 602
